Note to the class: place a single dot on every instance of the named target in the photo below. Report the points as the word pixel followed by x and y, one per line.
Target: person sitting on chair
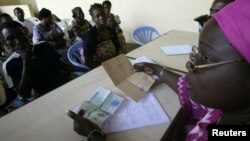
pixel 113 21
pixel 5 17
pixel 216 88
pixel 101 43
pixel 31 66
pixel 77 34
pixel 48 31
pixel 4 52
pixel 80 21
pixel 26 23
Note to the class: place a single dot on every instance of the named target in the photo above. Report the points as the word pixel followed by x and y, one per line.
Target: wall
pixel 9 9
pixel 9 2
pixel 9 5
pixel 164 15
pixel 32 4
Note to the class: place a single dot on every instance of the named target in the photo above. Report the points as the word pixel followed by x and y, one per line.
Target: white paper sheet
pixel 142 59
pixel 177 49
pixel 131 115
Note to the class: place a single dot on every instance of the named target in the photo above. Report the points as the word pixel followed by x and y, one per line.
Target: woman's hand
pixel 82 126
pixel 148 68
pixel 168 77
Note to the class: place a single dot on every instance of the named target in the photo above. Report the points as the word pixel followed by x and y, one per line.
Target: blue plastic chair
pixel 74 57
pixel 143 35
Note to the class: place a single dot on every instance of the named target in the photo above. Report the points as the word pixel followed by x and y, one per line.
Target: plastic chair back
pixel 74 55
pixel 143 35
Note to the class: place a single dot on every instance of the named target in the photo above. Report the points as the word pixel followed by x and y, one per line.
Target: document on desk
pixel 177 49
pixel 133 115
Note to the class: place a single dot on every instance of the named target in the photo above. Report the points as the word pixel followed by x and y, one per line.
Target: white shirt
pixel 29 24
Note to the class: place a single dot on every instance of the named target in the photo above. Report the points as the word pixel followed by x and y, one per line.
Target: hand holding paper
pixel 134 84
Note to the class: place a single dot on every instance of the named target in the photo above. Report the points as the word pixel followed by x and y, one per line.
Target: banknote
pixel 93 113
pixel 99 96
pixel 111 103
pixel 100 106
pixel 98 116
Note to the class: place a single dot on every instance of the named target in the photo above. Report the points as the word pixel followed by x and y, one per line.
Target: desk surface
pixel 174 37
pixel 45 119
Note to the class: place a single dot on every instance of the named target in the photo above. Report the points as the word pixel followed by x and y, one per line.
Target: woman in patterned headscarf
pixel 80 21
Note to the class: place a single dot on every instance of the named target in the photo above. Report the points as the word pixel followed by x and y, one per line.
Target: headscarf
pixel 234 21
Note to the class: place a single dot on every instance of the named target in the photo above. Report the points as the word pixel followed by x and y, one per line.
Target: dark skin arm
pixel 170 78
pixel 90 62
pixel 25 86
pixel 83 126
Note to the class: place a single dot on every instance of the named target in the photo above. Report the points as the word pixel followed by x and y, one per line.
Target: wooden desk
pixel 45 119
pixel 174 37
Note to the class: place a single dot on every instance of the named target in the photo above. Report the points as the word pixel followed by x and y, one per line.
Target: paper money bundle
pixel 101 105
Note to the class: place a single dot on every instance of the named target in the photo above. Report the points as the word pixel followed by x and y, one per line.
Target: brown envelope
pixel 134 84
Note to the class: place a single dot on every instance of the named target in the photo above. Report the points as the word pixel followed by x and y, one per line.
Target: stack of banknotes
pixel 102 104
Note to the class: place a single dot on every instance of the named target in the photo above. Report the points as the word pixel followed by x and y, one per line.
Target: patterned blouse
pixel 40 35
pixel 98 49
pixel 197 116
pixel 84 28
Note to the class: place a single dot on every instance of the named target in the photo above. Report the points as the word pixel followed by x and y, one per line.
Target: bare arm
pixel 90 62
pixel 25 86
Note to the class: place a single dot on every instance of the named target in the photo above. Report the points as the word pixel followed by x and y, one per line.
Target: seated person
pixel 48 31
pixel 101 43
pixel 216 88
pixel 113 21
pixel 30 66
pixel 4 52
pixel 215 7
pixel 24 22
pixel 77 38
pixel 77 34
pixel 10 101
pixel 5 17
pixel 78 20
